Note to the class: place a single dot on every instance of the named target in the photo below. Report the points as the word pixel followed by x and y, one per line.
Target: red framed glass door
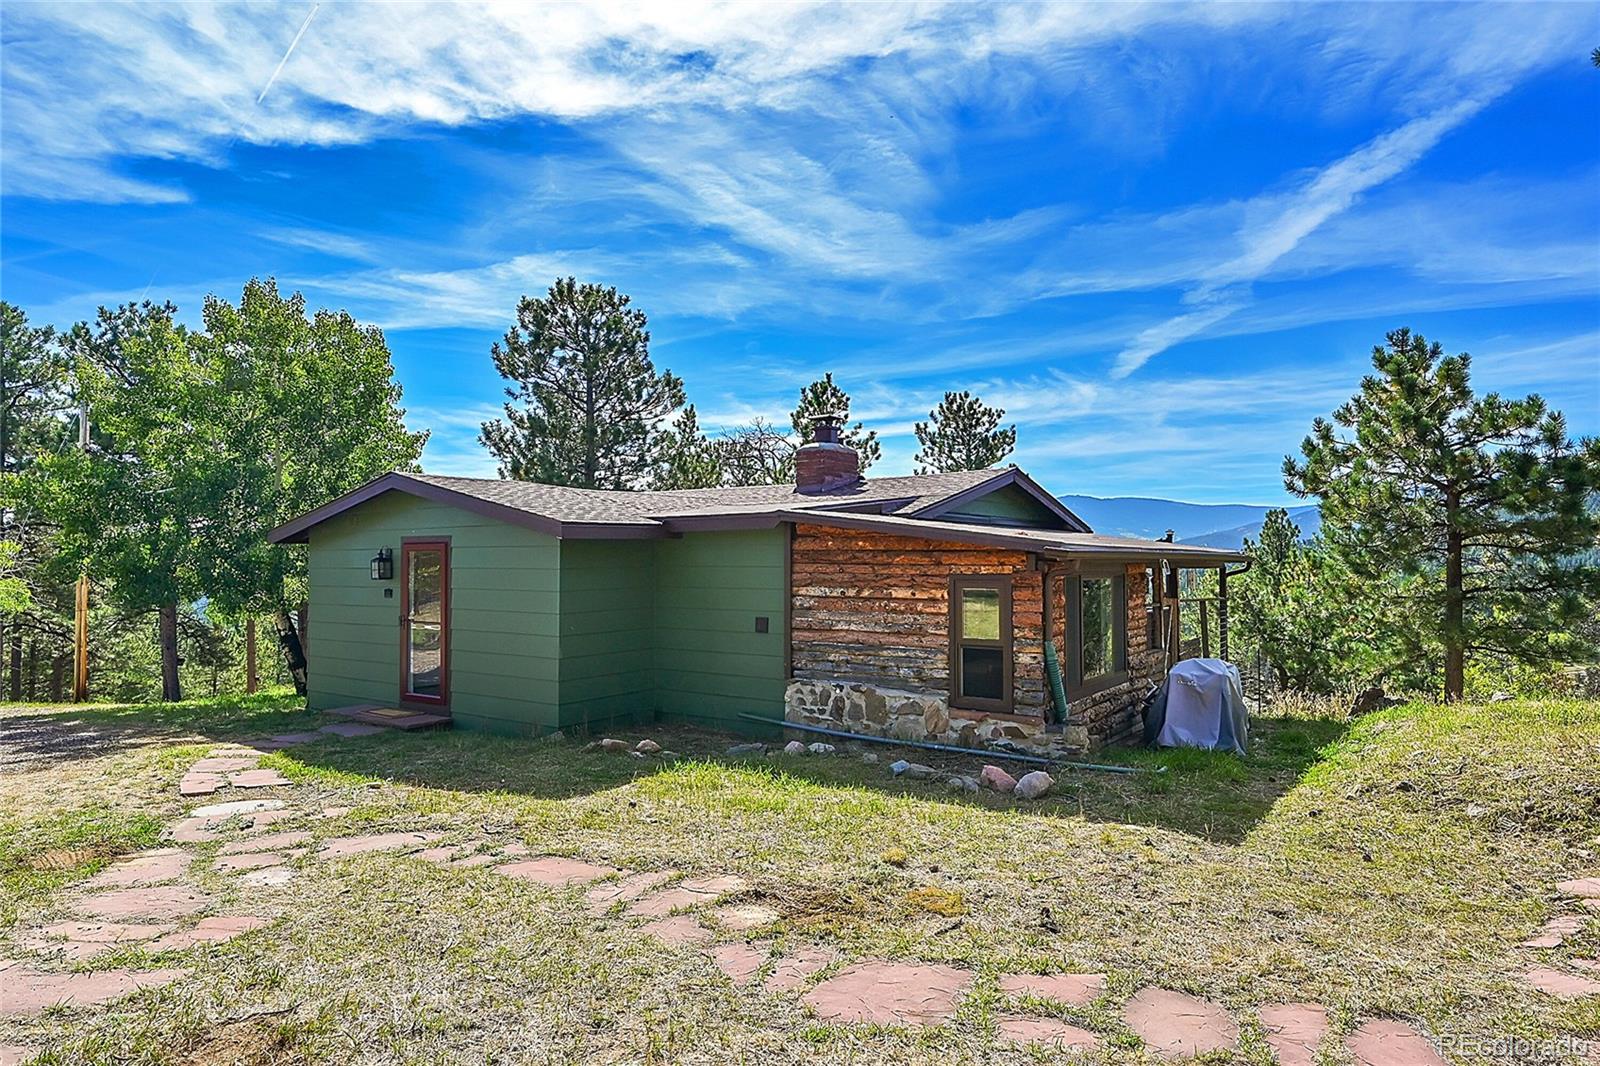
pixel 425 622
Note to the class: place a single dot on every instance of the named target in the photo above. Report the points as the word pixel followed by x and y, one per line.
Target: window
pixel 1097 613
pixel 980 643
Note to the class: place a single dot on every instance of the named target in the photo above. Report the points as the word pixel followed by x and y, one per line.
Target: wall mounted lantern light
pixel 383 565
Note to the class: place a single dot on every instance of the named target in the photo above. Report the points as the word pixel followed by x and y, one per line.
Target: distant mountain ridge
pixel 1214 525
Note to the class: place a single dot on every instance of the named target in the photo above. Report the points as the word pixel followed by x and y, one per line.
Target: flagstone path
pixel 1552 980
pixel 1050 1032
pixel 1074 989
pixel 890 993
pixel 1294 1031
pixel 1177 1025
pixel 28 991
pixel 1381 1042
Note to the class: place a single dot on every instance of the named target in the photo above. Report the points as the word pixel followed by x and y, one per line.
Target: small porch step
pixel 391 717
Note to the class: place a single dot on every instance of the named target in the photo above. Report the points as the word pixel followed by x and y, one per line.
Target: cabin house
pixel 967 608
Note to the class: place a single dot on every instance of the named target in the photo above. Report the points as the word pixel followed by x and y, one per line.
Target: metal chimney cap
pixel 825 427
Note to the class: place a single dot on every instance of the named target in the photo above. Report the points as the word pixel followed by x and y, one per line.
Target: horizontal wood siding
pixel 504 581
pixel 710 663
pixel 875 608
pixel 607 641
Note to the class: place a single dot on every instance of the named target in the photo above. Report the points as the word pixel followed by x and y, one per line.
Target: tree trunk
pixel 33 671
pixel 303 622
pixel 1455 637
pixel 293 653
pixel 16 665
pixel 251 682
pixel 171 689
pixel 58 670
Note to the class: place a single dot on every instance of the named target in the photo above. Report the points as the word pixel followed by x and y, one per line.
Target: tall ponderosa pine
pixel 586 403
pixel 963 433
pixel 1484 503
pixel 823 397
pixel 689 460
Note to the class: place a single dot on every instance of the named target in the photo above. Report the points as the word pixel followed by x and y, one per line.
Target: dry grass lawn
pixel 1386 868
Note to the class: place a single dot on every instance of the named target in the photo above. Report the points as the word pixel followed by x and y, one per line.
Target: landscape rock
pixel 794 747
pixel 820 748
pixel 962 784
pixel 870 758
pixel 648 747
pixel 1034 785
pixel 1501 697
pixel 912 769
pixel 748 749
pixel 613 744
pixel 997 779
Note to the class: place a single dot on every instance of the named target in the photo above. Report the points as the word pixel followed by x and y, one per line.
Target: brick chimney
pixel 826 464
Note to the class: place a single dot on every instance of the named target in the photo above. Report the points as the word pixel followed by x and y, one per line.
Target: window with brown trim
pixel 1097 632
pixel 980 642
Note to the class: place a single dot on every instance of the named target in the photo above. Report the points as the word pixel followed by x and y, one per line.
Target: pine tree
pixel 1482 505
pixel 963 433
pixel 586 403
pixel 823 397
pixel 688 459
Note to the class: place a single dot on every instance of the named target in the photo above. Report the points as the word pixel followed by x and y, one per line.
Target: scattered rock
pixel 914 770
pixel 997 779
pixel 647 747
pixel 1034 785
pixel 1179 1026
pixel 613 744
pixel 890 993
pixel 1501 697
pixel 962 784
pixel 870 758
pixel 794 747
pixel 747 749
pixel 1367 701
pixel 820 748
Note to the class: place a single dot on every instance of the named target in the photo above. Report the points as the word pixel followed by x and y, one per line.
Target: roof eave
pixel 1010 476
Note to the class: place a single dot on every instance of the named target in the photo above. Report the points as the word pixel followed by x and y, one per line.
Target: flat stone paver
pixel 164 902
pixel 235 807
pixel 192 784
pixel 678 931
pixel 1587 887
pixel 740 961
pixel 1561 984
pixel 1294 1031
pixel 107 932
pixel 1075 989
pixel 267 877
pixel 890 993
pixel 252 860
pixel 266 842
pixel 556 870
pixel 625 889
pixel 351 729
pixel 192 831
pixel 147 868
pixel 262 819
pixel 1555 932
pixel 792 971
pixel 206 931
pixel 27 991
pixel 223 764
pixel 741 917
pixel 1381 1042
pixel 288 740
pixel 17 1054
pixel 471 861
pixel 1050 1032
pixel 257 779
pixel 339 846
pixel 1177 1025
pixel 516 848
pixel 690 892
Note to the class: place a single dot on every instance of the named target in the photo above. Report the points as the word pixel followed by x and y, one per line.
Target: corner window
pixel 980 642
pixel 1097 620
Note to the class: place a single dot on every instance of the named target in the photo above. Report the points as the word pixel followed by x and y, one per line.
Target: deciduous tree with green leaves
pixel 1481 505
pixel 963 433
pixel 586 405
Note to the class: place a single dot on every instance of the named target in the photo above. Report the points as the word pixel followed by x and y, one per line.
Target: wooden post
pixel 80 642
pixel 1222 611
pixel 250 655
pixel 1205 630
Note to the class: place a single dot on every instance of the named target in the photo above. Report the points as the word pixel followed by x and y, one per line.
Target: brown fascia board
pixel 999 539
pixel 298 530
pixel 1012 476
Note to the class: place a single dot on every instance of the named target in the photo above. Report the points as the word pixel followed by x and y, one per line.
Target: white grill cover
pixel 1205 707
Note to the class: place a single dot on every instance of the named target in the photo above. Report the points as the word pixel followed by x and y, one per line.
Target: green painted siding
pixel 504 633
pixel 549 634
pixel 711 664
pixel 1009 506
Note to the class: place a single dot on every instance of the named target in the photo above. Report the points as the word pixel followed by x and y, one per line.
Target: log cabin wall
pixel 874 609
pixel 870 618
